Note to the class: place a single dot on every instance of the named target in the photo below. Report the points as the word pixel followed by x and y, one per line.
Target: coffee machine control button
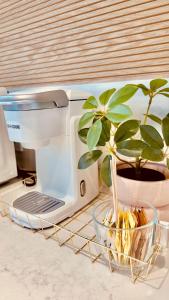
pixel 82 188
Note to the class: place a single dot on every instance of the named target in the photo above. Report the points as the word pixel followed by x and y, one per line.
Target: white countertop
pixel 32 268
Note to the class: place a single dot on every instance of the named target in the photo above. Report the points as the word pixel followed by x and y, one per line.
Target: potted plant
pixel 138 145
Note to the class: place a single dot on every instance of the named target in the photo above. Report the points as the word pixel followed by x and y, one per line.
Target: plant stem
pixel 166 151
pixel 144 163
pixel 122 160
pixel 138 160
pixel 148 109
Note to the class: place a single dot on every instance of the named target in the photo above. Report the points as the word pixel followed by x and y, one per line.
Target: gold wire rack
pixel 78 233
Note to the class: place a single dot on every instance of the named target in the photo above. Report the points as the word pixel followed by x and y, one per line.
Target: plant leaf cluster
pixel 107 123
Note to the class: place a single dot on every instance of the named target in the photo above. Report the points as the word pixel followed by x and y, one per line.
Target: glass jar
pixel 125 248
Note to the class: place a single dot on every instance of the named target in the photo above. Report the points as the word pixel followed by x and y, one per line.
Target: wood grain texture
pixel 72 41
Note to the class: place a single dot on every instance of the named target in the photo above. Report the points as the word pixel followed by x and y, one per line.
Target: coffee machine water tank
pixel 8 168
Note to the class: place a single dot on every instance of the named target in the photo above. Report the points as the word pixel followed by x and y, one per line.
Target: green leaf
pixel 126 130
pixel 123 95
pixel 105 96
pixel 167 162
pixel 154 118
pixel 144 89
pixel 151 136
pixel 164 94
pixel 165 129
pixel 131 148
pixel 105 134
pixel 85 119
pixel 90 103
pixel 83 135
pixel 152 154
pixel 119 113
pixel 94 134
pixel 155 84
pixel 88 159
pixel 164 90
pixel 105 170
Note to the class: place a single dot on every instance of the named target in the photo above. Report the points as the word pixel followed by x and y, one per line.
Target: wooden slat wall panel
pixel 81 14
pixel 73 41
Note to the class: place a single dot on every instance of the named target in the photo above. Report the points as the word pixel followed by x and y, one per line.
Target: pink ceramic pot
pixel 134 192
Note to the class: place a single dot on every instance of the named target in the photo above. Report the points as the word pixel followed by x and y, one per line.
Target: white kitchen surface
pixel 32 268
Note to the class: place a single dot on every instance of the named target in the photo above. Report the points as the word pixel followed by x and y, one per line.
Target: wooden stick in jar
pixel 114 189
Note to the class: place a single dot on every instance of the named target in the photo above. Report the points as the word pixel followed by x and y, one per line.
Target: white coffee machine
pixel 47 122
pixel 8 168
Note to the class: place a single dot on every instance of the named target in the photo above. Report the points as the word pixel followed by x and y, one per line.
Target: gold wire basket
pixel 78 232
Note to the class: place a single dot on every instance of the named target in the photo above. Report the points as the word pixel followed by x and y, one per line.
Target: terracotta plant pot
pixel 134 192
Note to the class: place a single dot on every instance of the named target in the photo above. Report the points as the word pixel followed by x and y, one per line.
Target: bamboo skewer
pixel 114 190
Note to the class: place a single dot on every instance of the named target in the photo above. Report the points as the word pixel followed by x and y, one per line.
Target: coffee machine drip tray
pixel 37 203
